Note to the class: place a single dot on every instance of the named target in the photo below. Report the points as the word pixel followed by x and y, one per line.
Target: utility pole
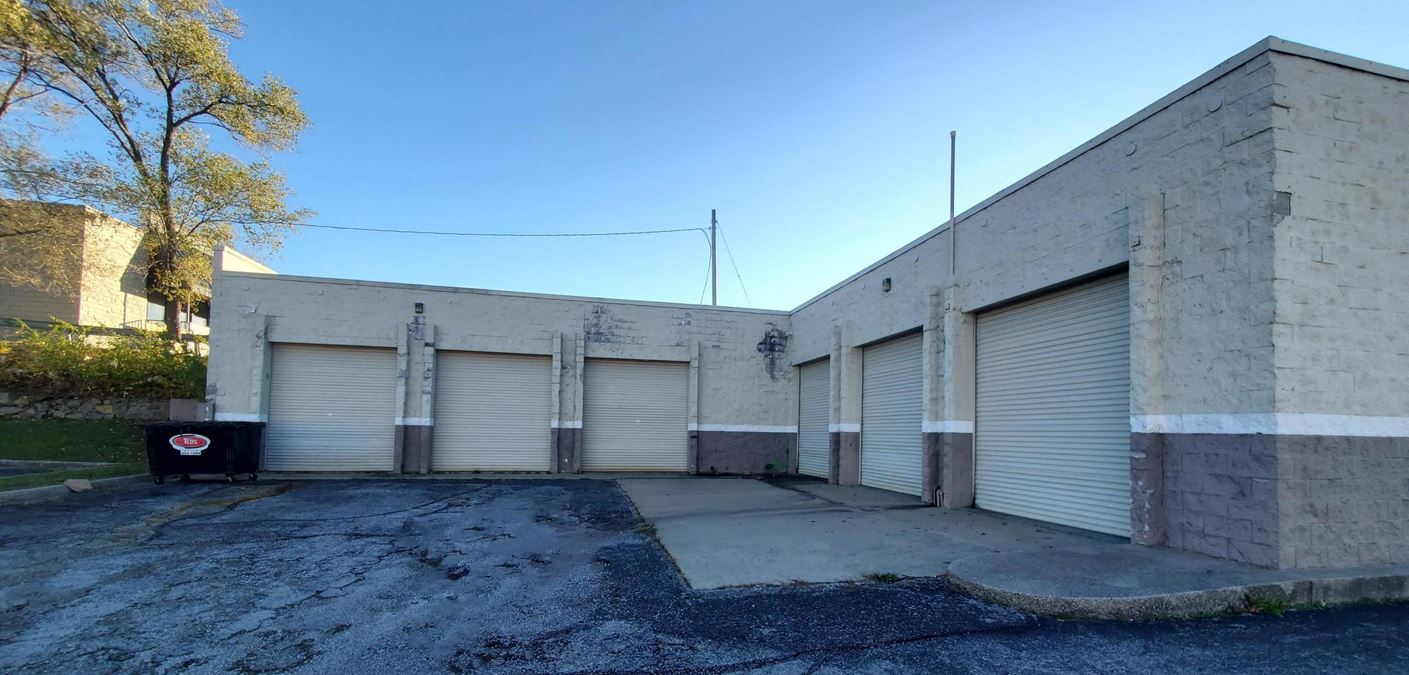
pixel 713 259
pixel 953 235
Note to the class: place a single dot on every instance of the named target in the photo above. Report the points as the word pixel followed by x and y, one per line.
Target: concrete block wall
pixel 36 305
pixel 744 410
pixel 114 285
pixel 1341 329
pixel 1260 212
pixel 32 304
pixel 1204 156
pixel 107 266
pixel 231 260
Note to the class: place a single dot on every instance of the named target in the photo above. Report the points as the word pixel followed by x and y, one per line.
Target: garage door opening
pixel 492 412
pixel 813 416
pixel 892 384
pixel 330 408
pixel 1052 440
pixel 635 416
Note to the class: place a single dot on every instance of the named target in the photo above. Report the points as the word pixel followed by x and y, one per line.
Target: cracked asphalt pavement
pixel 529 576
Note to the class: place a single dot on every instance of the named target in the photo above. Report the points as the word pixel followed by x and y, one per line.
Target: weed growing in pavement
pixel 1265 604
pixel 883 577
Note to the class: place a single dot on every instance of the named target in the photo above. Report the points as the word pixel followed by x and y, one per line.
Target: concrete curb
pixel 455 475
pixel 1327 590
pixel 51 464
pixel 47 492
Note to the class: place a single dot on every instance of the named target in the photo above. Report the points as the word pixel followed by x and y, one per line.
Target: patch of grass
pixel 73 440
pixel 120 442
pixel 882 577
pixel 648 529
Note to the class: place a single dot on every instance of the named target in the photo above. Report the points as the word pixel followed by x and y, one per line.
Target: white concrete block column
pixel 932 363
pixel 415 396
pixel 692 404
pixel 568 364
pixel 847 362
pixel 955 425
pixel 555 404
pixel 1148 367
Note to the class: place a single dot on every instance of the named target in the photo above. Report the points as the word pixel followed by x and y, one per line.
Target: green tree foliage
pixel 34 242
pixel 67 360
pixel 157 77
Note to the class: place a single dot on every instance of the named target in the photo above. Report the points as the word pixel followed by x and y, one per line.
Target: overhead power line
pixel 709 266
pixel 705 287
pixel 503 234
pixel 735 266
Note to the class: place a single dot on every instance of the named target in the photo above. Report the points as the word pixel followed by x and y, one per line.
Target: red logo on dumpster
pixel 190 444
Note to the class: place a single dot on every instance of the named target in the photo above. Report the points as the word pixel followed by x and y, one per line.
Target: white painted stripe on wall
pixel 949 427
pixel 568 424
pixel 744 428
pixel 413 422
pixel 240 417
pixel 1286 424
pixel 845 428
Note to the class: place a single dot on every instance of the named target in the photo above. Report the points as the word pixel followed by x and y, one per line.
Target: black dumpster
pixel 185 448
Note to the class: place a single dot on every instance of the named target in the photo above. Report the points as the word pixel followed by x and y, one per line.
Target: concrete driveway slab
pixel 529 576
pixel 394 576
pixel 1138 582
pixel 725 532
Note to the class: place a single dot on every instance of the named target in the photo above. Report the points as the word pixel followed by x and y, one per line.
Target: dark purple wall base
pixel 743 452
pixel 412 449
pixel 848 457
pixel 1215 494
pixel 956 470
pixel 1343 500
pixel 565 456
pixel 1147 515
pixel 833 457
pixel 1284 501
pixel 929 467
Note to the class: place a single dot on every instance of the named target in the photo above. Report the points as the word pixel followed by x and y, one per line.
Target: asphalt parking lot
pixel 528 576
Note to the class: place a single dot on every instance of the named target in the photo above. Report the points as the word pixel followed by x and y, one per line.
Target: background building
pixel 108 269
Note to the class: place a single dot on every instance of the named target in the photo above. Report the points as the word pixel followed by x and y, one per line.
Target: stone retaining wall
pixel 34 406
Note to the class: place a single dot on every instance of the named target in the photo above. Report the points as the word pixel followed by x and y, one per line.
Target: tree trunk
pixel 166 262
pixel 174 327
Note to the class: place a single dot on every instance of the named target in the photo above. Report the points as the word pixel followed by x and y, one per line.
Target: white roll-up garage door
pixel 634 416
pixel 330 409
pixel 813 415
pixel 1052 440
pixel 892 415
pixel 491 412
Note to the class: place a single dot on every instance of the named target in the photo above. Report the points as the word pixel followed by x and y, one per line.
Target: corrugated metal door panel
pixel 492 412
pixel 814 407
pixel 1053 432
pixel 330 409
pixel 892 415
pixel 634 416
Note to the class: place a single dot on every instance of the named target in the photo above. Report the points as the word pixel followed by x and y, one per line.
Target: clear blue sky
pixel 818 129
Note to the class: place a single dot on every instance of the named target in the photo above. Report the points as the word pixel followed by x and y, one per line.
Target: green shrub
pixel 67 360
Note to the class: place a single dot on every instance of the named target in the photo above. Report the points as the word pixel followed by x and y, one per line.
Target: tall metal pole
pixel 713 259
pixel 953 235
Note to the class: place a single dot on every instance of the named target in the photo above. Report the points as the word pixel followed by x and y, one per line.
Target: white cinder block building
pixel 1190 330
